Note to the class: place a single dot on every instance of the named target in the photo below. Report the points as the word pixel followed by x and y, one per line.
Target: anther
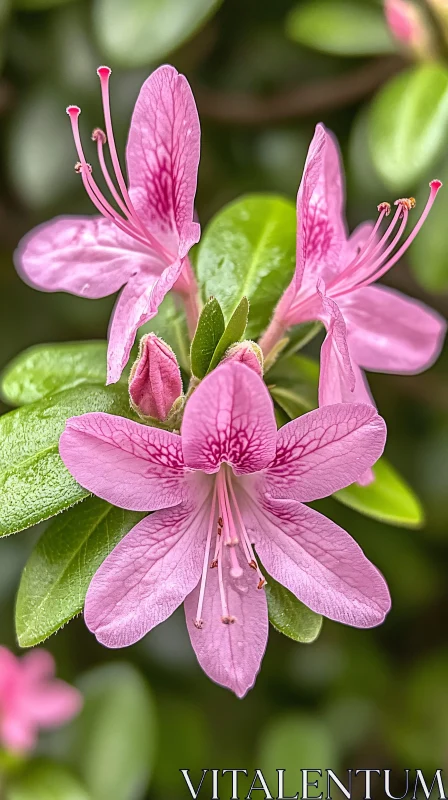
pixel 214 564
pixel 407 202
pixel 79 167
pixel 228 620
pixel 253 564
pixel 199 624
pixel 261 583
pixel 98 134
pixel 386 207
pixel 219 531
pixel 221 522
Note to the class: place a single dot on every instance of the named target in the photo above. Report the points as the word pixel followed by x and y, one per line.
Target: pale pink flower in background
pixel 408 26
pixel 143 245
pixel 229 483
pixel 31 698
pixel 155 382
pixel 368 327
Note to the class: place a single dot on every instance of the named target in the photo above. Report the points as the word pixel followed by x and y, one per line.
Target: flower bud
pixel 408 26
pixel 248 353
pixel 155 382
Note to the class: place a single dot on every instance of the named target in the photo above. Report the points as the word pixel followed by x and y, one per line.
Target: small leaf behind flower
pixel 388 498
pixel 289 616
pixel 293 383
pixel 234 332
pixel 48 368
pixel 211 327
pixel 44 780
pixel 58 572
pixel 248 250
pixel 34 482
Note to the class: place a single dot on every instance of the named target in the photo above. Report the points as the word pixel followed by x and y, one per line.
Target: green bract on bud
pixel 155 382
pixel 248 353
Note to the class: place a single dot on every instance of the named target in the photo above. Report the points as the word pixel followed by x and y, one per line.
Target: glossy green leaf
pixel 34 483
pixel 44 780
pixel 48 368
pixel 171 325
pixel 388 498
pixel 289 616
pixel 341 27
pixel 211 327
pixel 58 572
pixel 114 736
pixel 407 124
pixel 248 250
pixel 234 332
pixel 293 383
pixel 140 32
pixel 428 254
pixel 299 336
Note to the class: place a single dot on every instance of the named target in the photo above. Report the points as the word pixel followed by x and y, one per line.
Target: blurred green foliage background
pixel 263 74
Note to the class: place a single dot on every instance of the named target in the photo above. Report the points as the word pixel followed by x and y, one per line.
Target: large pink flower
pixel 142 242
pixel 229 483
pixel 31 698
pixel 368 327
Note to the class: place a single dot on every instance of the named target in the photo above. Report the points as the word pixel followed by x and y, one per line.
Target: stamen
pixel 235 569
pixel 247 546
pixel 98 134
pixel 406 202
pixel 384 206
pixel 198 621
pixel 261 583
pixel 228 620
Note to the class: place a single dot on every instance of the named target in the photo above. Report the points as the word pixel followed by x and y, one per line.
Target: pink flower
pixel 368 327
pixel 31 698
pixel 248 353
pixel 228 483
pixel 143 245
pixel 407 24
pixel 155 382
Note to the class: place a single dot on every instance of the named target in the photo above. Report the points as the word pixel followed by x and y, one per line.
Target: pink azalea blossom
pixel 31 698
pixel 368 327
pixel 230 482
pixel 143 245
pixel 407 24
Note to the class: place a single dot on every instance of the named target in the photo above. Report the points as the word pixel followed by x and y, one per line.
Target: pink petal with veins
pixel 230 417
pixel 128 464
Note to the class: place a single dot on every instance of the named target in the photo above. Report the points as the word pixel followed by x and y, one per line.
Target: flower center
pixel 376 257
pixel 232 543
pixel 128 220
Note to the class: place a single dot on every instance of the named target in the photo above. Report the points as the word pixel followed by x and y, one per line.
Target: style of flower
pixel 368 327
pixel 228 484
pixel 31 698
pixel 143 245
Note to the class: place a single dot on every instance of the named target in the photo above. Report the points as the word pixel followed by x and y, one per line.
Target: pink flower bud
pixel 155 382
pixel 408 26
pixel 247 353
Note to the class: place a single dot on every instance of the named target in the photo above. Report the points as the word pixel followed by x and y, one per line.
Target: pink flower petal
pixel 230 417
pixel 37 665
pixel 130 465
pixel 321 230
pixel 87 256
pixel 231 654
pixel 138 302
pixel 149 574
pixel 389 332
pixel 337 379
pixel 53 704
pixel 163 157
pixel 318 562
pixel 18 735
pixel 324 451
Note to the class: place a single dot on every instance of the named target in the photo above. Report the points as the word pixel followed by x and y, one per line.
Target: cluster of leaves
pixel 246 256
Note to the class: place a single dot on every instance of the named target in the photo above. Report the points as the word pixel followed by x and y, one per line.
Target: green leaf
pixel 48 368
pixel 58 572
pixel 289 616
pixel 293 383
pixel 428 254
pixel 407 124
pixel 114 736
pixel 141 32
pixel 248 250
pixel 234 332
pixel 44 780
pixel 211 327
pixel 341 27
pixel 171 325
pixel 34 483
pixel 299 336
pixel 388 498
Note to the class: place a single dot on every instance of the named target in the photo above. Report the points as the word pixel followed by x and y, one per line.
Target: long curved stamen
pixel 252 561
pixel 435 187
pixel 100 138
pixel 198 621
